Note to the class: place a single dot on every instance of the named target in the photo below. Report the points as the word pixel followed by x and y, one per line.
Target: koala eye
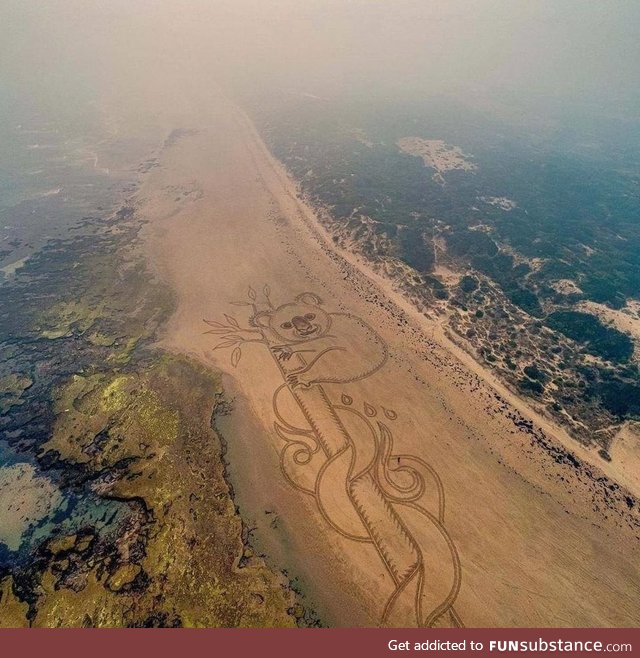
pixel 286 325
pixel 310 316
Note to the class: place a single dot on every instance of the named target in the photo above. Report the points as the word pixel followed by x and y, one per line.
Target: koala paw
pixel 283 352
pixel 298 381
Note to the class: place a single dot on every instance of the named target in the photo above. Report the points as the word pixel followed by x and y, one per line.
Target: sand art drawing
pixel 341 453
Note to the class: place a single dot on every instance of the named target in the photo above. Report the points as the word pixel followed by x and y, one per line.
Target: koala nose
pixel 302 326
pixel 300 322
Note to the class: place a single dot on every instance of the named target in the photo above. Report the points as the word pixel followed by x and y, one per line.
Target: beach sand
pixel 540 537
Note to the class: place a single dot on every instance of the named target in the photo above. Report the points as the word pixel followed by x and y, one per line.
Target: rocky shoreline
pixel 146 533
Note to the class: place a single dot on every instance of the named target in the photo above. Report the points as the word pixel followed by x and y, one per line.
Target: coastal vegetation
pixel 533 225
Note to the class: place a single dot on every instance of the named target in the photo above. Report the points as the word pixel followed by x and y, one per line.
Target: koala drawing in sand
pixel 343 457
pixel 316 347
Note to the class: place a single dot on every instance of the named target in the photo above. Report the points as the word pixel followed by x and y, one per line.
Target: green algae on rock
pixel 12 387
pixel 186 565
pixel 130 425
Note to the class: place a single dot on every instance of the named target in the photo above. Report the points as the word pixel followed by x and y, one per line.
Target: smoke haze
pixel 565 56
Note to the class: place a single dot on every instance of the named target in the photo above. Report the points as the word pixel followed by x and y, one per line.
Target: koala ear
pixel 261 319
pixel 309 298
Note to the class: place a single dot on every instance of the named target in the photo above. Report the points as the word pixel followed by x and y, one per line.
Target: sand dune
pixel 384 473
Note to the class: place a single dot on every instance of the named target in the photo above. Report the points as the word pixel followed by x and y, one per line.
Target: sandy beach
pixel 379 466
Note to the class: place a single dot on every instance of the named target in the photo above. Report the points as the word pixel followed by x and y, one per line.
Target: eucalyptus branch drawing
pixel 232 334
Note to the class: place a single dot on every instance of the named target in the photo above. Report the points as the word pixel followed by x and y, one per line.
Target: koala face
pixel 299 321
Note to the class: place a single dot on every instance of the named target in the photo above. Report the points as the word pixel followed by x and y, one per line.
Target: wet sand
pixel 542 539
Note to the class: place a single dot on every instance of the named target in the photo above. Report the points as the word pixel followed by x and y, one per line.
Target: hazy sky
pixel 568 53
